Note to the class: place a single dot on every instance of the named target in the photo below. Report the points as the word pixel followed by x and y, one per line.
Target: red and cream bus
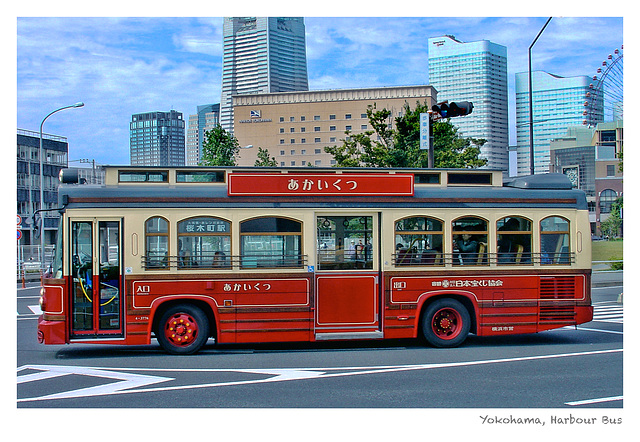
pixel 239 255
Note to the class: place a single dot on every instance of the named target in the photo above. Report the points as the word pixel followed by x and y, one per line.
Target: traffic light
pixel 449 110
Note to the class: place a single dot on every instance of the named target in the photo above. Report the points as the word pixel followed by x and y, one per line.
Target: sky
pixel 119 66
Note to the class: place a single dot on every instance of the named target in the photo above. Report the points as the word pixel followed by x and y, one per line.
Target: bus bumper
pixel 51 332
pixel 584 314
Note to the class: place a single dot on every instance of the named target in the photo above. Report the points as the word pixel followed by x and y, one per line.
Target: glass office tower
pixel 476 72
pixel 157 139
pixel 206 118
pixel 261 55
pixel 558 103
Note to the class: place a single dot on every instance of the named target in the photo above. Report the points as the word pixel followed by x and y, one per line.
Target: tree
pixel 400 147
pixel 264 159
pixel 611 226
pixel 219 148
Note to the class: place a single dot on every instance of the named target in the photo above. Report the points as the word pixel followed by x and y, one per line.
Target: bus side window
pixel 271 242
pixel 514 240
pixel 554 241
pixel 204 242
pixel 469 241
pixel 156 234
pixel 418 241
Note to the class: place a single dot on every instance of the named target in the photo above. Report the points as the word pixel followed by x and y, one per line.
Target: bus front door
pixel 347 281
pixel 96 279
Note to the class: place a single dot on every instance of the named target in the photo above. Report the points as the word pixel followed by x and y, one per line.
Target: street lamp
pixel 79 104
pixel 531 165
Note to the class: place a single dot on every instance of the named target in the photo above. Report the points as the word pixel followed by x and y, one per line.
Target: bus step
pixel 349 335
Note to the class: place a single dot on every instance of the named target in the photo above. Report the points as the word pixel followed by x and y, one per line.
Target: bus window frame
pixel 525 256
pixel 398 259
pixel 161 264
pixel 221 263
pixel 457 258
pixel 249 261
pixel 558 257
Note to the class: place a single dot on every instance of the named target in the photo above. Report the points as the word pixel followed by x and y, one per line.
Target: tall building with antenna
pixel 261 55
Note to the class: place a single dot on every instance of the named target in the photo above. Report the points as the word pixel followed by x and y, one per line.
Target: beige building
pixel 296 126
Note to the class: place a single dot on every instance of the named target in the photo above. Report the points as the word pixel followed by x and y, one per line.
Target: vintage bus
pixel 255 255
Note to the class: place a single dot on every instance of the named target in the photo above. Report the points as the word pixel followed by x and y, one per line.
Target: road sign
pixel 19 221
pixel 19 234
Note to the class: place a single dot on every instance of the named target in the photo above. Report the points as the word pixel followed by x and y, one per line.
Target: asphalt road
pixel 567 369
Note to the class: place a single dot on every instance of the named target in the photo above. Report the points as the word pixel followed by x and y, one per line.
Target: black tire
pixel 446 323
pixel 182 329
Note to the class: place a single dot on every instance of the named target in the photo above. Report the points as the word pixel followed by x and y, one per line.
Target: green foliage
pixel 400 147
pixel 611 226
pixel 219 148
pixel 264 159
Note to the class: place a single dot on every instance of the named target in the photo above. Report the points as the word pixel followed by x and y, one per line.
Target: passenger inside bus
pixel 467 248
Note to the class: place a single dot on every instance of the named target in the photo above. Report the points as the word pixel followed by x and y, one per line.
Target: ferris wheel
pixel 605 97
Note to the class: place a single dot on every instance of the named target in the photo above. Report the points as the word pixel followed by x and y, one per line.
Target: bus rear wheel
pixel 183 329
pixel 446 323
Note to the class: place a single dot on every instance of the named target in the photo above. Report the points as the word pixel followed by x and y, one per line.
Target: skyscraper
pixel 206 118
pixel 476 72
pixel 558 103
pixel 157 139
pixel 261 55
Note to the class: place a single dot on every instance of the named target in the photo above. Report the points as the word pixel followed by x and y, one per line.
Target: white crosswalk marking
pixel 608 312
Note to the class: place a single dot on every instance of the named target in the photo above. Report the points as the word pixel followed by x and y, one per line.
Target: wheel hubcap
pixel 446 323
pixel 180 329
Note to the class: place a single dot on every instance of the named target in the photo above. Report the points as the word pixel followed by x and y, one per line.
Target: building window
pixel 607 197
pixel 317 140
pixel 332 128
pixel 611 170
pixel 316 129
pixel 332 117
pixel 316 117
pixel 347 117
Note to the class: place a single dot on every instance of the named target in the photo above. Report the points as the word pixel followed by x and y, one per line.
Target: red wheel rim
pixel 446 323
pixel 181 329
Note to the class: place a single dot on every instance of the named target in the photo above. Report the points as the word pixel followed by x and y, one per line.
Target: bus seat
pixel 482 247
pixel 519 250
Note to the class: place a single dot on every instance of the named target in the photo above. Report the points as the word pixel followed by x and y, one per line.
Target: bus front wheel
pixel 183 329
pixel 446 323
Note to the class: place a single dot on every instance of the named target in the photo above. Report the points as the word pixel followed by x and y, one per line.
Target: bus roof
pixel 215 187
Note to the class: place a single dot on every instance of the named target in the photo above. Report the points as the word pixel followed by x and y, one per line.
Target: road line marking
pixel 278 374
pixel 601 331
pixel 595 401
